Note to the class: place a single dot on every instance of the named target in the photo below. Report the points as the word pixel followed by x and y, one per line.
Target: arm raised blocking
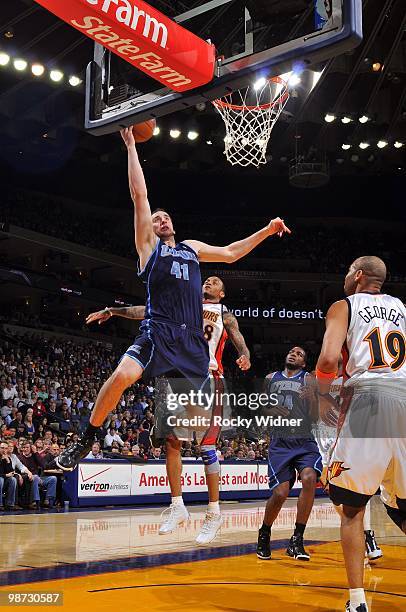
pixel 236 250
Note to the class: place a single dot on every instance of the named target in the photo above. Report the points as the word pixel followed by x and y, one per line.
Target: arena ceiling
pixel 37 115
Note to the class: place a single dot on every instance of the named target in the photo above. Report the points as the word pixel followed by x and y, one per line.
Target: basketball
pixel 144 131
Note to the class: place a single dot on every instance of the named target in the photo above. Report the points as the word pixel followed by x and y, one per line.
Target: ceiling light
pixel 260 83
pixel 37 69
pixel 56 75
pixel 329 118
pixel 376 66
pixel 382 144
pixel 346 147
pixel 398 144
pixel 4 59
pixel 174 133
pixel 192 135
pixel 364 145
pixel 294 80
pixel 346 119
pixel 156 131
pixel 74 81
pixel 209 142
pixel 20 64
pixel 364 119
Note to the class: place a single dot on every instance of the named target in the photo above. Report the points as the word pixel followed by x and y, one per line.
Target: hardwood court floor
pixel 107 559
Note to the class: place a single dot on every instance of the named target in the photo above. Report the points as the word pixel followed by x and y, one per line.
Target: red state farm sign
pixel 142 36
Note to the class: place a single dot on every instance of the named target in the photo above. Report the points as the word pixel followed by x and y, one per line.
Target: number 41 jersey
pixel 174 286
pixel 376 347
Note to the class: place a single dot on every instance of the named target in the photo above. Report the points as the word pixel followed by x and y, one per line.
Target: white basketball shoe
pixel 176 515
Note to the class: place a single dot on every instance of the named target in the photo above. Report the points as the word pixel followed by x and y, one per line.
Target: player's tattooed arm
pixel 145 238
pixel 128 312
pixel 237 250
pixel 233 331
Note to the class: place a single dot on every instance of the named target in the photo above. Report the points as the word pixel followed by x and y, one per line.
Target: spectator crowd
pixel 48 388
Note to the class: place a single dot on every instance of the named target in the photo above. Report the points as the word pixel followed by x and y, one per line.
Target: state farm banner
pixel 142 36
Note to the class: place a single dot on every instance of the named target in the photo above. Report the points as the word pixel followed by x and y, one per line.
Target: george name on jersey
pixel 369 313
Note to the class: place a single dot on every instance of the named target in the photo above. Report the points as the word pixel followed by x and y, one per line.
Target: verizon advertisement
pixel 142 36
pixel 105 480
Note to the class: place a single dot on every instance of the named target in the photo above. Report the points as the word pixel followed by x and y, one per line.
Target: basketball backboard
pixel 252 38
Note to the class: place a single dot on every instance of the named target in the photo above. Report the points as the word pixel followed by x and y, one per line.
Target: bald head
pixel 366 273
pixel 371 266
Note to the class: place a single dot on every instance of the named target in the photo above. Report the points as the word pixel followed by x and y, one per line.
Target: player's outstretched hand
pixel 277 226
pixel 128 136
pixel 243 362
pixel 101 316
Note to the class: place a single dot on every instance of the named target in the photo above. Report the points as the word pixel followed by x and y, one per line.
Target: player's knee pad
pixel 397 516
pixel 210 459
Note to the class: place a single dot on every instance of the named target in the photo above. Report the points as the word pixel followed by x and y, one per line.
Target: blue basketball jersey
pixel 174 286
pixel 288 391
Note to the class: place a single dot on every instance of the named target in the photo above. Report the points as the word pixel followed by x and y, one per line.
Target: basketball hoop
pixel 250 121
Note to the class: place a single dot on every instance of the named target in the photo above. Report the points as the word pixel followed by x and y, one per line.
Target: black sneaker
pixel 360 608
pixel 264 545
pixel 70 457
pixel 371 546
pixel 296 549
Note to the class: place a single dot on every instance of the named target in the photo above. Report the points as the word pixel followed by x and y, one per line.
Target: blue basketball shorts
pixel 162 348
pixel 287 457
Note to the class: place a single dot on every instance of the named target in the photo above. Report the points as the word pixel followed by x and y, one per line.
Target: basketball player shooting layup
pixel 370 328
pixel 171 334
pixel 218 326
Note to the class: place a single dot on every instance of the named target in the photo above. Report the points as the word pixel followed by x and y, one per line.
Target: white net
pixel 249 116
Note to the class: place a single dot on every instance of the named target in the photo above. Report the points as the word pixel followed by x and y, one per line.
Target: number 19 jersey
pixel 375 348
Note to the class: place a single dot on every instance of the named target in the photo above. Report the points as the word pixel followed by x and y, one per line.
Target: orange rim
pixel 280 100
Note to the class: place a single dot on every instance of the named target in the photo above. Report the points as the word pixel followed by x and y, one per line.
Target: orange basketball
pixel 144 131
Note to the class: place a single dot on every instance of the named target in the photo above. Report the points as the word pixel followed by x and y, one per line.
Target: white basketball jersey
pixel 335 388
pixel 215 333
pixel 376 346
